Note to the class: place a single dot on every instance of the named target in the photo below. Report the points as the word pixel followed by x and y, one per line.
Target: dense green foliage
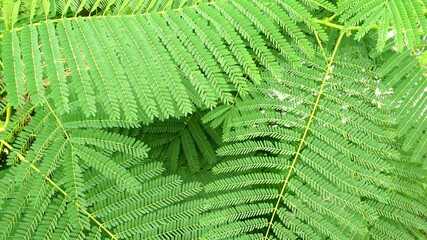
pixel 227 119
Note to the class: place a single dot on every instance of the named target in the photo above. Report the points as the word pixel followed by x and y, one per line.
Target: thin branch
pixel 57 120
pixel 8 116
pixel 304 136
pixel 57 187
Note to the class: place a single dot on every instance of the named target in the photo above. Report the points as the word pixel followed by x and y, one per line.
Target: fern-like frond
pixel 164 68
pixel 346 159
pixel 110 141
pixel 225 119
pixel 13 74
pixel 17 13
pixel 186 143
pixel 80 78
pixel 401 21
pixel 74 187
pixel 406 82
pixel 13 209
pixel 72 183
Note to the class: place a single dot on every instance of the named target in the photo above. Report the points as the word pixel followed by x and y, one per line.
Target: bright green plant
pixel 227 119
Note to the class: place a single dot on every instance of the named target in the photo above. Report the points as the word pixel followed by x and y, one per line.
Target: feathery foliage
pixel 226 119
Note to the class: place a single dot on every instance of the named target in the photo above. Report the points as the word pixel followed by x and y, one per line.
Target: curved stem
pixel 8 115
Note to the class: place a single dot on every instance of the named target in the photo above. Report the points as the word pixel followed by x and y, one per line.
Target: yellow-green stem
pixel 327 75
pixel 57 119
pixel 7 120
pixel 56 186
